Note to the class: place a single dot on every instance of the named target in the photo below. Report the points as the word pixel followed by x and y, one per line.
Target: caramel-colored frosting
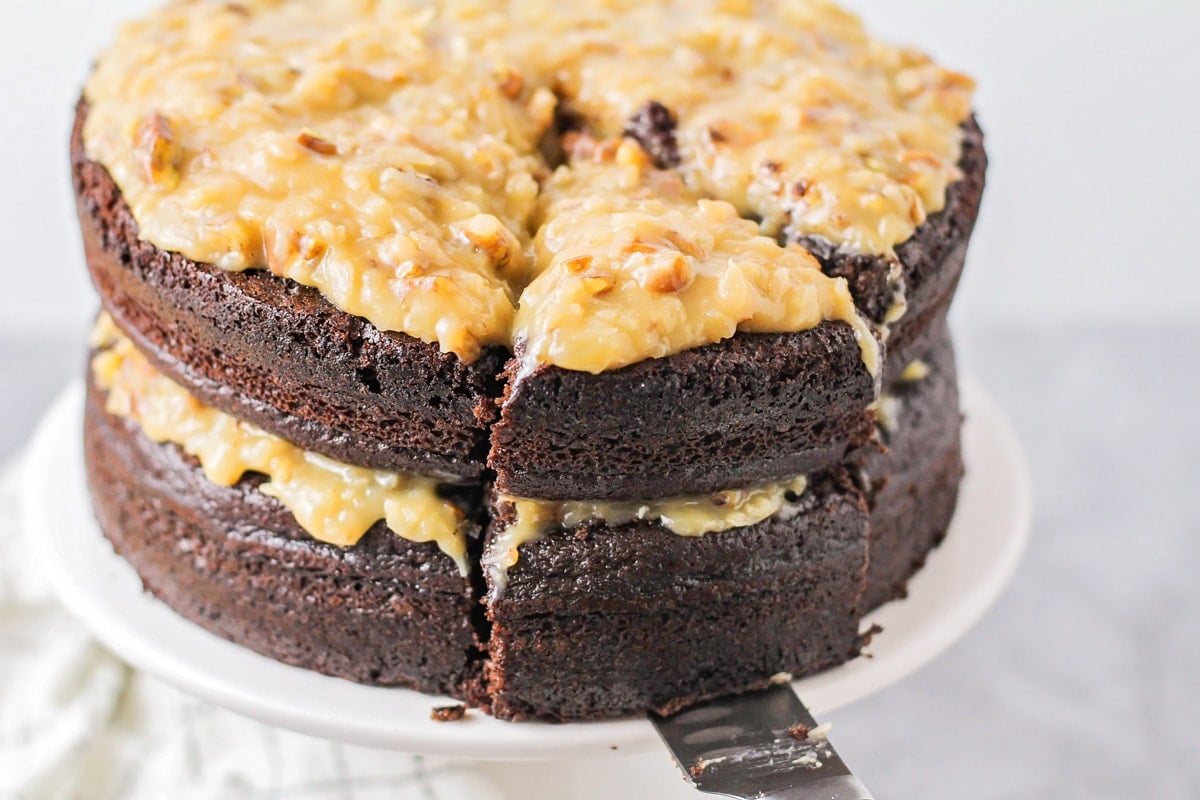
pixel 387 152
pixel 333 502
pixel 686 516
pixel 631 264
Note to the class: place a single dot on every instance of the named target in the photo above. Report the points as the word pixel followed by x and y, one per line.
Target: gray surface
pixel 1084 682
pixel 31 374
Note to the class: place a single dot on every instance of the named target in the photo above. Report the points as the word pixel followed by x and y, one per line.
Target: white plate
pixel 962 579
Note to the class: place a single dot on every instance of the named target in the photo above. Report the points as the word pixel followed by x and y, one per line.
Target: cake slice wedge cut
pixel 596 619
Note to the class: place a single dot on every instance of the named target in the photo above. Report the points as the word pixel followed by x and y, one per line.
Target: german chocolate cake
pixel 571 358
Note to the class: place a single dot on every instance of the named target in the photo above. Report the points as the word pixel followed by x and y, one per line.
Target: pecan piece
pixel 671 278
pixel 578 263
pixel 317 144
pixel 493 239
pixel 158 151
pixel 598 284
pixel 512 83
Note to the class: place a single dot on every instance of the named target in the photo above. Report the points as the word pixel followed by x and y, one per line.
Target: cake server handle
pixel 763 745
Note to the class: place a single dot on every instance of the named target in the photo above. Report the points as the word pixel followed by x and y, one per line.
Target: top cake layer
pixel 392 155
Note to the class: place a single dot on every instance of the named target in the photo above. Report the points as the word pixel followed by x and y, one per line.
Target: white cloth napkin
pixel 77 724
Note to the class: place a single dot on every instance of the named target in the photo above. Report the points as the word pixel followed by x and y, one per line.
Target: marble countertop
pixel 1084 681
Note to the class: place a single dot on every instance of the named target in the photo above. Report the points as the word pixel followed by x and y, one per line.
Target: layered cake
pixel 572 359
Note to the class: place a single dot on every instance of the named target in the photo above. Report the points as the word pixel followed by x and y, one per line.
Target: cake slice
pixel 596 619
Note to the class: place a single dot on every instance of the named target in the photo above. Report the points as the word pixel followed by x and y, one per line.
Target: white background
pixel 1090 108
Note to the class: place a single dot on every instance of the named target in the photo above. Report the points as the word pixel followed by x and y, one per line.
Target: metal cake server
pixel 763 745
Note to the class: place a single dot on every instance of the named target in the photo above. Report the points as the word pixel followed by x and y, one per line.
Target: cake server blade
pixel 763 745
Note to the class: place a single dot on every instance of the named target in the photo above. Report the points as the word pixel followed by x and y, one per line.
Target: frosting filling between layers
pixel 686 516
pixel 387 152
pixel 333 502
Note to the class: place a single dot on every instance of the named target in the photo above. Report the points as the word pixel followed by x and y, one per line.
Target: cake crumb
pixel 448 713
pixel 798 732
pixel 819 733
pixel 868 636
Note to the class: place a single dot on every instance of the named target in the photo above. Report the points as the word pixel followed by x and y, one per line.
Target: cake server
pixel 763 745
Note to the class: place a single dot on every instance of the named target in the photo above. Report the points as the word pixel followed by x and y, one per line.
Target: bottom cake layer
pixel 592 621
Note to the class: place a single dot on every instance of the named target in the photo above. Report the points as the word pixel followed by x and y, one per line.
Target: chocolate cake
pixel 530 362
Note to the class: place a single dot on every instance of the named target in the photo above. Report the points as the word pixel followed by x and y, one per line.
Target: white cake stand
pixel 962 579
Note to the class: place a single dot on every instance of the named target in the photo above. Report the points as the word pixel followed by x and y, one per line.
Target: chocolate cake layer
pixel 598 621
pixel 913 484
pixel 755 408
pixel 277 354
pixel 281 356
pixel 386 611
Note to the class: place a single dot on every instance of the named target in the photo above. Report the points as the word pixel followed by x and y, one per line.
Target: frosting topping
pixel 630 264
pixel 333 502
pixel 391 154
